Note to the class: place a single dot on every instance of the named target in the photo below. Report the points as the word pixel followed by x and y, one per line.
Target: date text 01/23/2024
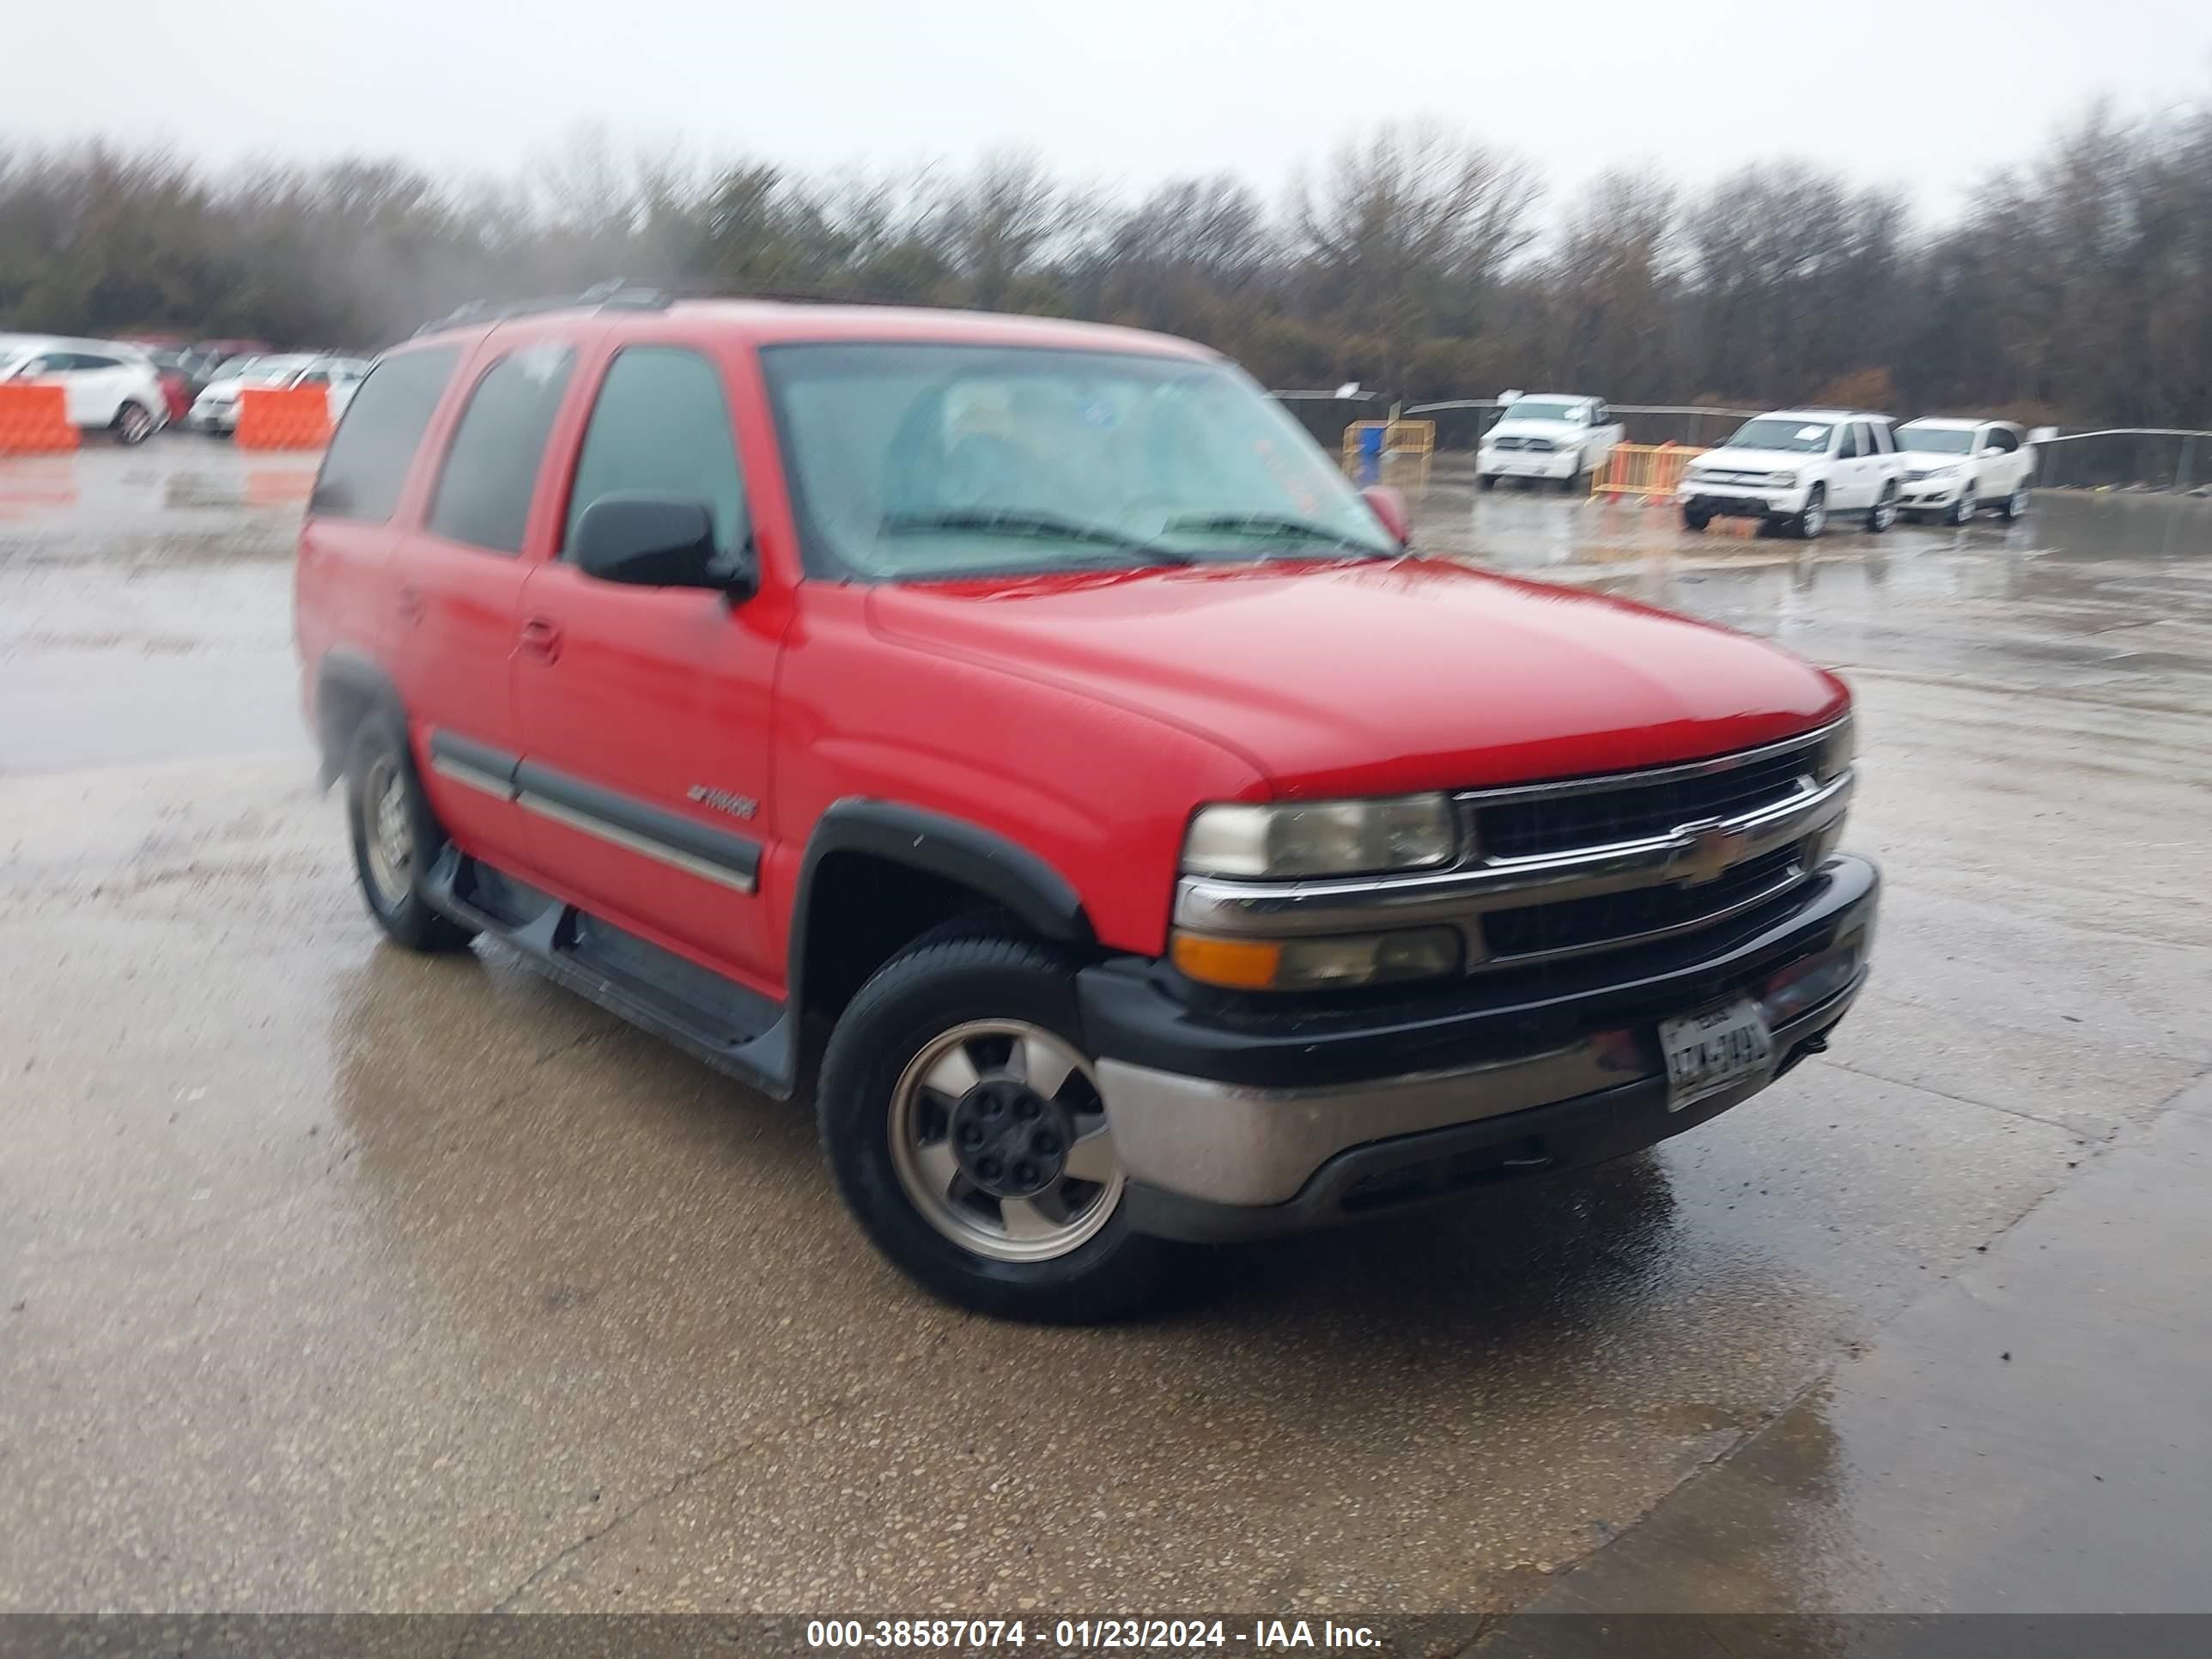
pixel 1087 1634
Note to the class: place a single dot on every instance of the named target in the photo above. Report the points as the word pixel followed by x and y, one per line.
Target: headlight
pixel 1942 472
pixel 1786 480
pixel 1322 838
pixel 1317 964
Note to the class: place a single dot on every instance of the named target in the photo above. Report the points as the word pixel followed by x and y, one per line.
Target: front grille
pixel 1716 476
pixel 1539 825
pixel 1577 924
pixel 1505 443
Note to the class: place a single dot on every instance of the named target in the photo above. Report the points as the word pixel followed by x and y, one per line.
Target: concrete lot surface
pixel 332 1278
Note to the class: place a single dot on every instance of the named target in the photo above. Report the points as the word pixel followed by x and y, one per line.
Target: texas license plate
pixel 1715 1049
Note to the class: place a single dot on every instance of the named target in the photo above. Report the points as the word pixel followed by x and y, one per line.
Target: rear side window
pixel 1885 438
pixel 375 443
pixel 491 469
pixel 660 425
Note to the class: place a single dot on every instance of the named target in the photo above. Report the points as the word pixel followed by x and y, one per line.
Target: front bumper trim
pixel 1401 1171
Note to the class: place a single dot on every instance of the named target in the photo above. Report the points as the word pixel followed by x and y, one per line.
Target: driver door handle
pixel 540 638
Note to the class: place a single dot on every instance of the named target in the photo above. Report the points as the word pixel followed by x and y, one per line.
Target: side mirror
pixel 1388 508
pixel 656 541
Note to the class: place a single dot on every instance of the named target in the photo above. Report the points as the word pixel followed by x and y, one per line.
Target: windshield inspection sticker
pixel 1099 412
pixel 1808 434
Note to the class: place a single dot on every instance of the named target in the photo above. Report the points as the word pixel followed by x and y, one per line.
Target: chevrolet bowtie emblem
pixel 1710 852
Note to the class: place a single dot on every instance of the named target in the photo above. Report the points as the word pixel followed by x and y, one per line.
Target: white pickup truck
pixel 1548 435
pixel 1955 468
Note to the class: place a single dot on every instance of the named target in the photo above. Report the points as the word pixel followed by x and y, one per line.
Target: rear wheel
pixel 394 838
pixel 133 424
pixel 967 1131
pixel 1883 513
pixel 1814 520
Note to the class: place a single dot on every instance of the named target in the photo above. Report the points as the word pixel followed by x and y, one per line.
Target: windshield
pixel 910 462
pixel 1539 409
pixel 1799 437
pixel 1937 439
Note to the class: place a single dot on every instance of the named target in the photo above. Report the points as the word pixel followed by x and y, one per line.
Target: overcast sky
pixel 1121 93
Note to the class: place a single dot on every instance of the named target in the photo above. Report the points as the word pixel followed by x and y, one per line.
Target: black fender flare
pixel 356 672
pixel 1003 871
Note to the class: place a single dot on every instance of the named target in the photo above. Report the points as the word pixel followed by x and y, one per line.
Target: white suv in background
pixel 107 388
pixel 1797 469
pixel 1548 435
pixel 216 409
pixel 1955 468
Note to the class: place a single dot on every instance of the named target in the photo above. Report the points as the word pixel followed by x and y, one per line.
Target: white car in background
pixel 1955 468
pixel 1797 469
pixel 1557 435
pixel 216 409
pixel 107 388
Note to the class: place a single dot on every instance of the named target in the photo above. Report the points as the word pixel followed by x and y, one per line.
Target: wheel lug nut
pixel 970 1136
pixel 987 1168
pixel 1026 1111
pixel 994 1108
pixel 1025 1174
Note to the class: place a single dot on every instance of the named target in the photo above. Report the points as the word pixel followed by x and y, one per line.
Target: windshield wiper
pixel 1044 526
pixel 1273 526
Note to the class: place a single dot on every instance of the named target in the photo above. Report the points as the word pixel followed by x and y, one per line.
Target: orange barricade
pixel 34 419
pixel 1652 472
pixel 279 417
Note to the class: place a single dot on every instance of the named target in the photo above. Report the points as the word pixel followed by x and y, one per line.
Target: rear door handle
pixel 540 638
pixel 410 602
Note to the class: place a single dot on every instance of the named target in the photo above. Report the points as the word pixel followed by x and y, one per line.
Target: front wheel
pixel 1574 476
pixel 2015 504
pixel 1486 480
pixel 1815 518
pixel 1696 518
pixel 133 424
pixel 1962 510
pixel 967 1131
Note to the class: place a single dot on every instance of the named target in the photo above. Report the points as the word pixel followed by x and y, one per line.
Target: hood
pixel 1755 460
pixel 1510 428
pixel 1378 678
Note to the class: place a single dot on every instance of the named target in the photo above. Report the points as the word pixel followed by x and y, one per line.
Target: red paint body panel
pixel 1083 717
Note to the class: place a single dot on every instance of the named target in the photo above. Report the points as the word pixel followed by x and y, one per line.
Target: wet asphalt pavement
pixel 332 1278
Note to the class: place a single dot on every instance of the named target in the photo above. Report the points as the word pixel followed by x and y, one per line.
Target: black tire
pixel 1807 525
pixel 1696 518
pixel 1962 511
pixel 914 1001
pixel 134 424
pixel 1883 513
pixel 2015 504
pixel 379 760
pixel 1567 484
pixel 1486 480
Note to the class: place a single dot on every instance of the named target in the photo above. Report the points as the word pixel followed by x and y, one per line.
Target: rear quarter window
pixel 374 445
pixel 490 474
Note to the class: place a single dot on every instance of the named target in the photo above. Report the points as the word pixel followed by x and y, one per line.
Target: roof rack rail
pixel 609 295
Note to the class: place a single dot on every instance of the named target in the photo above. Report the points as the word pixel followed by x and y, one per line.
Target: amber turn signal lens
pixel 1242 965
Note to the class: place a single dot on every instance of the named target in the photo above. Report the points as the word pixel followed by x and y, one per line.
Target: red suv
pixel 1159 849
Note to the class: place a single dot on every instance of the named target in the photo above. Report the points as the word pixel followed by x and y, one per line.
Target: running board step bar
pixel 737 1032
